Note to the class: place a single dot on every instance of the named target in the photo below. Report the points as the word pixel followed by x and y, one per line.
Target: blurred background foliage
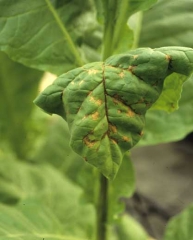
pixel 42 182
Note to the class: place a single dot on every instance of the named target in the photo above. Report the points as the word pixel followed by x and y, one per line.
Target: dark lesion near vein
pixel 117 100
pixel 169 59
pixel 88 142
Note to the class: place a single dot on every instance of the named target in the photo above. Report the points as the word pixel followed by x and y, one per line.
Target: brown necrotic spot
pixel 121 74
pixel 130 69
pixel 116 99
pixel 95 116
pixel 135 56
pixel 96 101
pixel 114 141
pixel 126 139
pixel 141 133
pixel 92 71
pixel 112 128
pixel 89 143
pixel 168 57
pixel 130 113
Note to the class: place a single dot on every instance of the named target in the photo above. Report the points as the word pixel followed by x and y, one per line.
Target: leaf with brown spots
pixel 104 103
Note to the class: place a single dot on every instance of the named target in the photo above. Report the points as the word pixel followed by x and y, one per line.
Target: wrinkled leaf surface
pixel 104 103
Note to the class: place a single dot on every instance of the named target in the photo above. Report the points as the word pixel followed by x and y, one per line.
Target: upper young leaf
pixel 171 25
pixel 104 103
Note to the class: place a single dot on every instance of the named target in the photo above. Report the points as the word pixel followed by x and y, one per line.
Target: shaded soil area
pixel 164 175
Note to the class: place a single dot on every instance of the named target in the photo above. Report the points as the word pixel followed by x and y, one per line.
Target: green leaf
pixel 122 186
pixel 168 23
pixel 104 103
pixel 162 127
pixel 171 93
pixel 18 87
pixel 54 190
pixel 171 25
pixel 57 148
pixel 128 228
pixel 100 6
pixel 180 226
pixel 30 220
pixel 44 35
pixel 125 42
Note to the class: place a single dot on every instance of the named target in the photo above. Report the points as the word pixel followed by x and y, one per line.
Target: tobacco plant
pixel 114 79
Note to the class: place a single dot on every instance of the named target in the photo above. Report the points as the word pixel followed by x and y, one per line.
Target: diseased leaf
pixel 47 36
pixel 104 103
pixel 57 148
pixel 180 226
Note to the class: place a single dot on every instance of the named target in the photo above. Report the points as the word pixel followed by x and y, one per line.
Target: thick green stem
pixel 102 209
pixel 102 204
pixel 121 21
pixel 110 9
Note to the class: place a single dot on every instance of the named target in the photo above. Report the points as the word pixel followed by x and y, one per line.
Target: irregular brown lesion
pixel 117 100
pixel 92 71
pixel 130 113
pixel 131 68
pixel 95 116
pixel 168 57
pixel 97 101
pixel 121 74
pixel 112 128
pixel 114 141
pixel 88 142
pixel 126 139
pixel 135 56
pixel 141 133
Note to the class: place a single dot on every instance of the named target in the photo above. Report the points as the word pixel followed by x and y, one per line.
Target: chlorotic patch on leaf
pixel 104 103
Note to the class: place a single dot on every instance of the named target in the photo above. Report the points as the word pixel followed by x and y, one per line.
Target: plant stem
pixel 65 33
pixel 121 21
pixel 102 209
pixel 110 8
